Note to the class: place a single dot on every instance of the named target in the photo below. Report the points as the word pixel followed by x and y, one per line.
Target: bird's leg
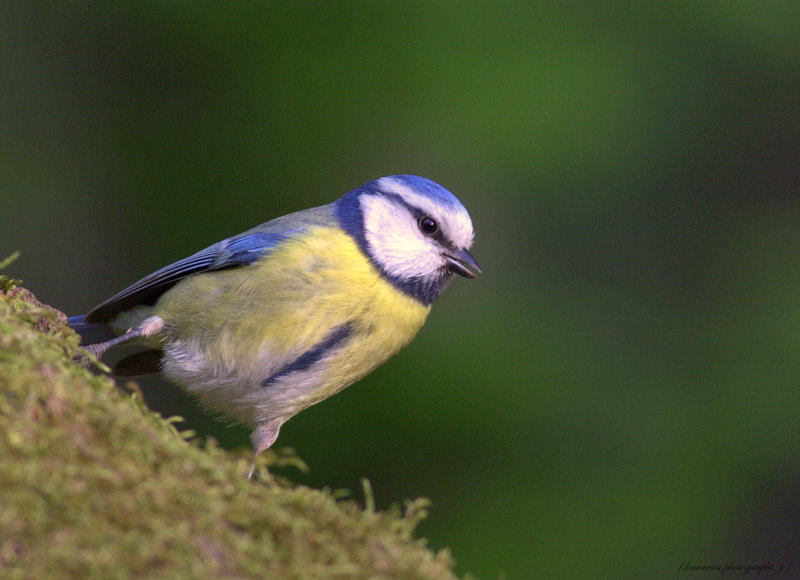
pixel 263 436
pixel 148 327
pixel 99 349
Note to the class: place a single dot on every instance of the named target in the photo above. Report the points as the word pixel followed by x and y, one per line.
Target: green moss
pixel 93 484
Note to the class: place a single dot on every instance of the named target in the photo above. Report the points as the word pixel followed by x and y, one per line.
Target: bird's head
pixel 413 230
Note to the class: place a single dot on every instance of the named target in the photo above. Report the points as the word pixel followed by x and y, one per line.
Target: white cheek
pixel 395 240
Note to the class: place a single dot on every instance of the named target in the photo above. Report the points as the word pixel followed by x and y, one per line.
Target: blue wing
pixel 240 250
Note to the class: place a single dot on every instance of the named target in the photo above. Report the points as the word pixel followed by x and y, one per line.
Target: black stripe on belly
pixel 315 353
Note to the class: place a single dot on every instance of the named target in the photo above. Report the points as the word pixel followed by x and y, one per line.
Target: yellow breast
pixel 252 321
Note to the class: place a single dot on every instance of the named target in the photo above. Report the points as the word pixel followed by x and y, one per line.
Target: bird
pixel 266 323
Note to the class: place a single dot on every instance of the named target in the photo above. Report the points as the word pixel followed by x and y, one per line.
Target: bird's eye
pixel 428 225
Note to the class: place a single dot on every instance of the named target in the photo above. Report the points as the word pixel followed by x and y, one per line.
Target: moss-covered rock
pixel 93 484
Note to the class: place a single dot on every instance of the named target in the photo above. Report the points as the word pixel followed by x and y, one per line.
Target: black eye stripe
pixel 419 215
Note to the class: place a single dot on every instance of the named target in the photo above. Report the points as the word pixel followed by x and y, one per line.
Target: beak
pixel 458 260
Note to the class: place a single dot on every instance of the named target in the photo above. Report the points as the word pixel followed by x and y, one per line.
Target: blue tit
pixel 269 322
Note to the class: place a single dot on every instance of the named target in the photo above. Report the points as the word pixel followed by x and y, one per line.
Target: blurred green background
pixel 618 392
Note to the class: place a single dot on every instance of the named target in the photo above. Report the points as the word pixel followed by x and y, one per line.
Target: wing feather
pixel 237 251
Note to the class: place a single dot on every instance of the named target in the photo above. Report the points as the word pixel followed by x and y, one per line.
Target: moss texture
pixel 93 484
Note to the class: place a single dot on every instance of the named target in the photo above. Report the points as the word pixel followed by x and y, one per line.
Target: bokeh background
pixel 618 393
